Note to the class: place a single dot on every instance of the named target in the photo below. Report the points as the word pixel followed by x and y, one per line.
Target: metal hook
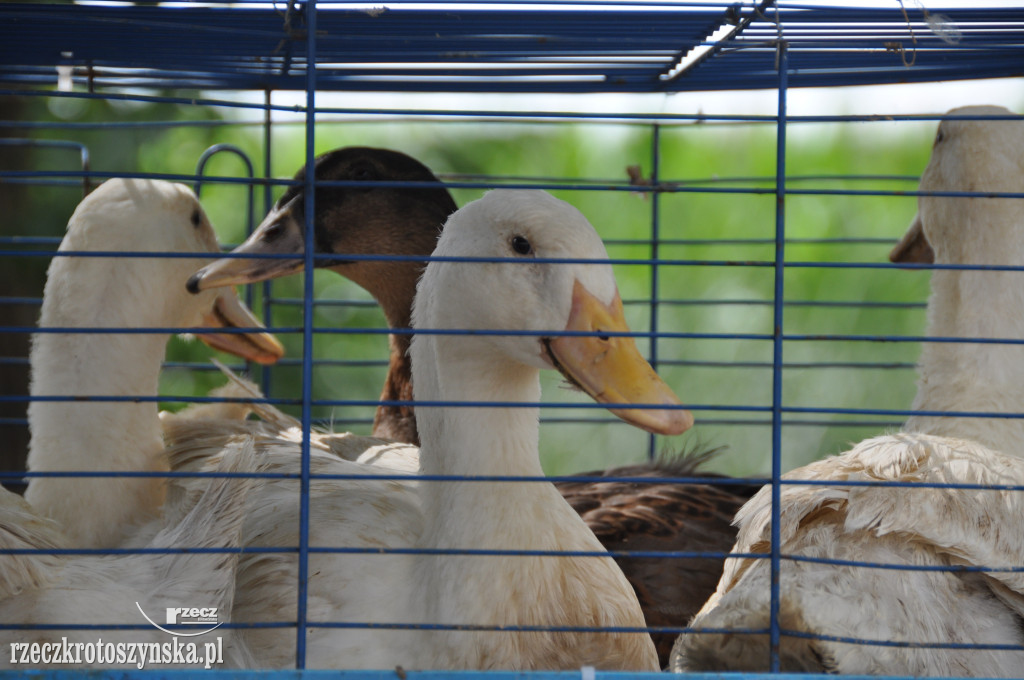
pixel 228 148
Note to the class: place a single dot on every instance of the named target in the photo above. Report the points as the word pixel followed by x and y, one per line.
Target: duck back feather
pixel 918 526
pixel 90 590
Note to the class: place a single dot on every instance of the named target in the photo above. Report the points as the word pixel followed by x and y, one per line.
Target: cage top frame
pixel 561 46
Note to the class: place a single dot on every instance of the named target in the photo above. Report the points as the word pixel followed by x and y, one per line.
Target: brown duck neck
pixel 397 423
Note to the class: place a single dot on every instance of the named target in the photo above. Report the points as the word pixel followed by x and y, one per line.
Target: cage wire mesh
pixel 750 250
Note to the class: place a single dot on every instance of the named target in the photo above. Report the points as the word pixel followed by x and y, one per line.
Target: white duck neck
pixel 974 376
pixel 487 590
pixel 469 440
pixel 80 435
pixel 482 441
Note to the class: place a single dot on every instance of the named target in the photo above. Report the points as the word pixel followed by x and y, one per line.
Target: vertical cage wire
pixel 778 326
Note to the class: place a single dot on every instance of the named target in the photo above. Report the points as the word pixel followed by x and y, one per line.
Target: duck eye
pixel 938 136
pixel 521 245
pixel 197 218
pixel 273 232
pixel 364 173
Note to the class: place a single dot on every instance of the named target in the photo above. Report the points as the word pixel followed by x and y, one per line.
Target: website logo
pixel 186 616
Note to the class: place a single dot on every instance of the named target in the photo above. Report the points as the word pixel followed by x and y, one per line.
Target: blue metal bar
pixel 704 242
pixel 670 302
pixel 525 333
pixel 708 481
pixel 310 16
pixel 392 674
pixel 442 115
pixel 581 185
pixel 323 259
pixel 777 348
pixel 114 96
pixel 655 236
pixel 602 554
pixel 225 148
pixel 501 404
pixel 342 423
pixel 903 643
pixel 323 423
pixel 82 149
pixel 681 186
pixel 268 203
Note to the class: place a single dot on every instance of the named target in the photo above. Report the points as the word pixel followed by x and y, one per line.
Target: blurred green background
pixel 724 293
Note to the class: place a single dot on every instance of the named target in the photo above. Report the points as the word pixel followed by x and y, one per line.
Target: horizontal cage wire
pixel 750 247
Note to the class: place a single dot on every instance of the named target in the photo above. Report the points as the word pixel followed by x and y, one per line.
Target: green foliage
pixel 720 180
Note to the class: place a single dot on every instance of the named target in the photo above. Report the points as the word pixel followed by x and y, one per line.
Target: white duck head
pixel 976 150
pixel 137 215
pixel 544 299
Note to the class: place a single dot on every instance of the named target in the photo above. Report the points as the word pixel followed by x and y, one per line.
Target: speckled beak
pixel 279 234
pixel 611 369
pixel 229 312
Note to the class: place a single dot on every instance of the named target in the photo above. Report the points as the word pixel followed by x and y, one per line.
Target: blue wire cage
pixel 267 69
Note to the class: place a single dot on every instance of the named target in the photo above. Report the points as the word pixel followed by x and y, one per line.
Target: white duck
pixel 467 590
pixel 98 292
pixel 368 218
pixel 917 526
pixel 120 589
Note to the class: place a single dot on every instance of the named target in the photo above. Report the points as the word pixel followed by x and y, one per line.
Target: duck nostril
pixel 602 338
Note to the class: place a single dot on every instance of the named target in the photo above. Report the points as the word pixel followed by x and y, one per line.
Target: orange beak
pixel 611 369
pixel 229 312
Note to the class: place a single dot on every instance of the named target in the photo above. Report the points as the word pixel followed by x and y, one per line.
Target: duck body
pixel 918 527
pixel 408 221
pixel 444 518
pixel 119 589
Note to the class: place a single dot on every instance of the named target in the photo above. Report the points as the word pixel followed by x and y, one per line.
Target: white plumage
pixel 911 526
pixel 135 292
pixel 93 590
pixel 474 590
pixel 58 589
